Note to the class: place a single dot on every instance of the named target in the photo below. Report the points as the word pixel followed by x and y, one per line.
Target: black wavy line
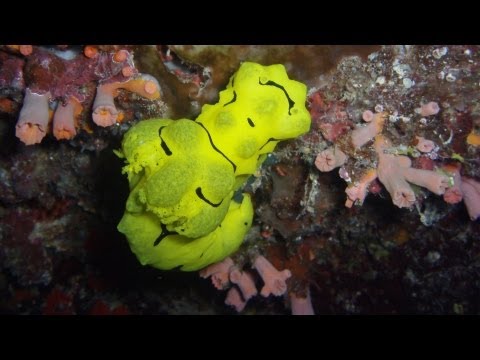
pixel 199 193
pixel 291 103
pixel 215 148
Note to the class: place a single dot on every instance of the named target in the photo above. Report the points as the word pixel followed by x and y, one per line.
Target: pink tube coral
pixel 368 116
pixel 333 157
pixel 245 282
pixel 144 85
pixel 301 305
pixel 220 273
pixel 121 56
pixel 64 119
pixel 90 51
pixel 430 180
pixel 471 197
pixel 390 175
pixel 424 145
pixel 330 158
pixel 394 172
pixel 429 109
pixel 358 191
pixel 32 124
pixel 225 274
pixel 25 50
pixel 275 281
pixel 234 298
pixel 465 189
pixel 454 193
pixel 363 134
pixel 104 111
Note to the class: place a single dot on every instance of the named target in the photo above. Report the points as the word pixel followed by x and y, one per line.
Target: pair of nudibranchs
pixel 183 173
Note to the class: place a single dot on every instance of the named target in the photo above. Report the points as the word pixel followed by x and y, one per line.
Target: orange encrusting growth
pixel 25 50
pixel 90 51
pixel 120 56
pixel 7 105
pixel 473 139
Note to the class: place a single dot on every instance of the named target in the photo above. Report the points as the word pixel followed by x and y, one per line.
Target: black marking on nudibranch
pixel 215 148
pixel 291 103
pixel 233 100
pixel 164 146
pixel 164 234
pixel 202 197
pixel 271 139
pixel 250 122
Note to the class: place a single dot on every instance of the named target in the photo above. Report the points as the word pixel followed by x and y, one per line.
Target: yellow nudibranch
pixel 183 173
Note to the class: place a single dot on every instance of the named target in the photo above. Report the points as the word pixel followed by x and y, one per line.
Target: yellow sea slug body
pixel 183 173
pixel 260 107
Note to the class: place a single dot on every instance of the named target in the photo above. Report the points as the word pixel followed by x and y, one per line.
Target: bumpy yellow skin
pixel 183 173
